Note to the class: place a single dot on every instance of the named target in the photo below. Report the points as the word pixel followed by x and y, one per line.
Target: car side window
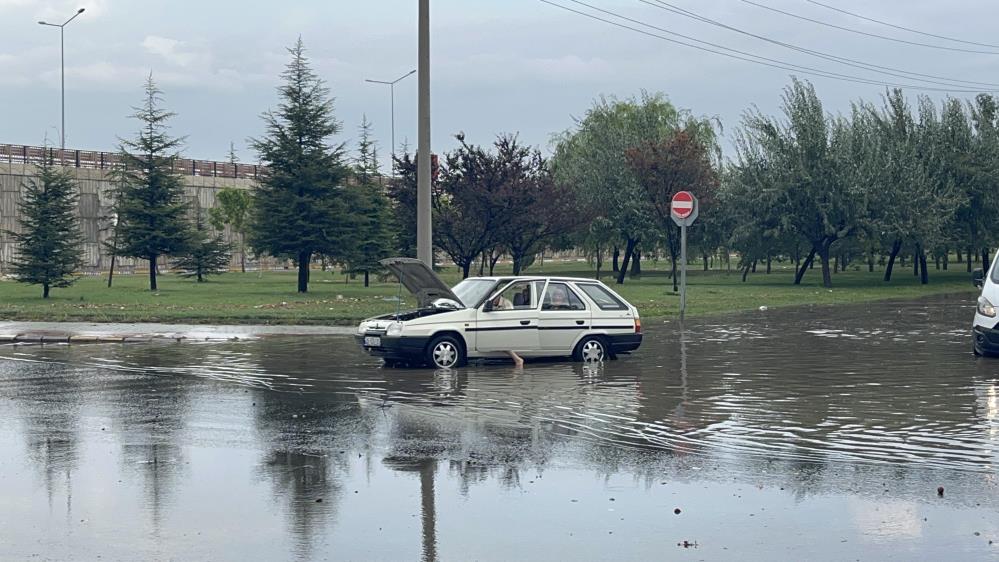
pixel 517 296
pixel 604 299
pixel 560 297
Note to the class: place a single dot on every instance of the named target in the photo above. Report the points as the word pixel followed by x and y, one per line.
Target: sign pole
pixel 683 269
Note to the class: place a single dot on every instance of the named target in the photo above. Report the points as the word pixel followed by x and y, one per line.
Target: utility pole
pixel 424 232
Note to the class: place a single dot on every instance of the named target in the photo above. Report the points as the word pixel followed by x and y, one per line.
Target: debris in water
pixel 676 511
pixel 688 544
pixel 940 491
pixel 319 500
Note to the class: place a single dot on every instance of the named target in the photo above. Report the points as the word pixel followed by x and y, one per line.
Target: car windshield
pixel 472 291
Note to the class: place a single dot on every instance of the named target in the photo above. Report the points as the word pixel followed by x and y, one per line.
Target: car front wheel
pixel 446 352
pixel 592 349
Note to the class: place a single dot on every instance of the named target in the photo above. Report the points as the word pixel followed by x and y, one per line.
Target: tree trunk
pixel 769 258
pixel 482 264
pixel 836 264
pixel 745 272
pixel 895 248
pixel 915 260
pixel 870 262
pixel 826 273
pixel 365 277
pixel 936 260
pixel 705 258
pixel 968 256
pixel 629 248
pixel 753 266
pixel 492 261
pixel 600 262
pixel 636 264
pixel 985 258
pixel 152 273
pixel 617 254
pixel 242 253
pixel 924 276
pixel 804 267
pixel 466 266
pixel 959 258
pixel 45 290
pixel 304 259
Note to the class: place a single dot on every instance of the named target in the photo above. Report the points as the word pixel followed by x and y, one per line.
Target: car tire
pixel 446 352
pixel 591 349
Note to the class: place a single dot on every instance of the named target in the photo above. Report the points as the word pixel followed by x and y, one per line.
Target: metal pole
pixel 392 89
pixel 683 270
pixel 62 72
pixel 424 234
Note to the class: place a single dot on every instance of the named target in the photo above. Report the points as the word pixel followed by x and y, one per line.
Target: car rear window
pixel 604 299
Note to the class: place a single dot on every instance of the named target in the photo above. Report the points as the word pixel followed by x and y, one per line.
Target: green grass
pixel 236 298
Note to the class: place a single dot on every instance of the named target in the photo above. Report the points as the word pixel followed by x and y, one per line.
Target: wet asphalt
pixel 821 433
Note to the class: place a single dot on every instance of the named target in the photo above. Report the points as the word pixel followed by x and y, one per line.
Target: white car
pixel 984 326
pixel 484 317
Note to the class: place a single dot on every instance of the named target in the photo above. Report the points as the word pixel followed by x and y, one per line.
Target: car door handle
pixel 525 322
pixel 580 322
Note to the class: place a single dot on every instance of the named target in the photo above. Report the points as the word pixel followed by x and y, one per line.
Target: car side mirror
pixel 488 307
pixel 978 277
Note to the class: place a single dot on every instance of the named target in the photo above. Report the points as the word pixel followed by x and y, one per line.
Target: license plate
pixel 372 341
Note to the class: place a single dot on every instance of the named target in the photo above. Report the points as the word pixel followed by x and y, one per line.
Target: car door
pixel 512 322
pixel 562 319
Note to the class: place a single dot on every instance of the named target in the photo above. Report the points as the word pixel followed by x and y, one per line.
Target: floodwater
pixel 811 434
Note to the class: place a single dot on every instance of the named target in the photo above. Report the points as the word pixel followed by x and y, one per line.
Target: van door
pixel 562 319
pixel 512 324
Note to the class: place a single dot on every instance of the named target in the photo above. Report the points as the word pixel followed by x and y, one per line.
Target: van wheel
pixel 591 349
pixel 446 352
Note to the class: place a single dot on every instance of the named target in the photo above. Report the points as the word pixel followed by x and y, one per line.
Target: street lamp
pixel 62 65
pixel 392 88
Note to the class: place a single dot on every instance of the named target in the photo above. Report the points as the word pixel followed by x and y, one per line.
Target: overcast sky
pixel 498 66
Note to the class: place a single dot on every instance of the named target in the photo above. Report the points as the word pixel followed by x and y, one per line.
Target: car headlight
pixel 361 328
pixel 985 308
pixel 394 329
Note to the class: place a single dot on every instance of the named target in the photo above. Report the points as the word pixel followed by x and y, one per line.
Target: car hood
pixel 420 280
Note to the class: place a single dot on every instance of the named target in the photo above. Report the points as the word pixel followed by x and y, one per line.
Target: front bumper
pixel 395 347
pixel 623 343
pixel 986 339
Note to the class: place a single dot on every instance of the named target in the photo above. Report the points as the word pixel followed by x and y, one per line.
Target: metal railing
pixel 89 159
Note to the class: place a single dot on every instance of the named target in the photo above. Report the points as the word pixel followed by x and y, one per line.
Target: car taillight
pixel 638 326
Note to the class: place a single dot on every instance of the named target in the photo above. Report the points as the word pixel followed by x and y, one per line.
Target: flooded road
pixel 818 434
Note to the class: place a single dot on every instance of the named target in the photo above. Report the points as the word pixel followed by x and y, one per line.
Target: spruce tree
pixel 149 196
pixel 298 209
pixel 371 213
pixel 208 254
pixel 48 245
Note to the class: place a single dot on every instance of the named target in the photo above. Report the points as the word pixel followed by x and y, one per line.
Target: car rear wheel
pixel 591 349
pixel 446 352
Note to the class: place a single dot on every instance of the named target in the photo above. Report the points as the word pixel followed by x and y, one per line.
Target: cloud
pixel 171 50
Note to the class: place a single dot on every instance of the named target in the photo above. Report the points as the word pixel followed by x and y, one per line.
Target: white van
pixel 985 329
pixel 485 317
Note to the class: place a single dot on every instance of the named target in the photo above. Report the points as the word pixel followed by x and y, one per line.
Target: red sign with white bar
pixel 682 205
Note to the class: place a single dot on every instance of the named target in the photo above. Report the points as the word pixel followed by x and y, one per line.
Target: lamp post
pixel 392 93
pixel 62 69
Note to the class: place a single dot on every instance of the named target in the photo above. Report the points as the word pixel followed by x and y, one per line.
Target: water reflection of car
pixel 985 330
pixel 485 317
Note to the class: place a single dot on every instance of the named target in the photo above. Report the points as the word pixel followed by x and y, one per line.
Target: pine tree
pixel 298 210
pixel 149 196
pixel 208 254
pixel 371 211
pixel 48 250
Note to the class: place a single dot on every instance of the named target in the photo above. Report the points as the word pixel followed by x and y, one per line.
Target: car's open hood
pixel 419 280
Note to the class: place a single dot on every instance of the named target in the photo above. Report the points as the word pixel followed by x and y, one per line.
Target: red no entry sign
pixel 683 204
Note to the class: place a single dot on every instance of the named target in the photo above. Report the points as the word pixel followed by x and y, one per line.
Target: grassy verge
pixel 270 298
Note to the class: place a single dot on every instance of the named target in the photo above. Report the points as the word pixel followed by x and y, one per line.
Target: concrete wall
pixel 94 208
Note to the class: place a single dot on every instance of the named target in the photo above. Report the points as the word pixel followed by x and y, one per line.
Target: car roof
pixel 538 278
